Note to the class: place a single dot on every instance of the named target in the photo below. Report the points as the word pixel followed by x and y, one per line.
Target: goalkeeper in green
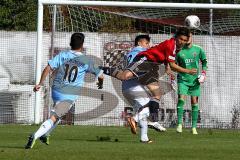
pixel 189 57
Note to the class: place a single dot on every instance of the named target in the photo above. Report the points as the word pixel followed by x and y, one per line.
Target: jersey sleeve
pixel 203 59
pixel 170 53
pixel 94 69
pixel 56 61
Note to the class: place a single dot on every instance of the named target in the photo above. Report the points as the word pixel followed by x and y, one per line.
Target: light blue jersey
pixel 133 53
pixel 129 57
pixel 70 67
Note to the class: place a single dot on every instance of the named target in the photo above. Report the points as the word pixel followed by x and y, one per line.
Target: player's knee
pixel 126 75
pixel 194 100
pixel 181 102
pixel 54 118
pixel 157 97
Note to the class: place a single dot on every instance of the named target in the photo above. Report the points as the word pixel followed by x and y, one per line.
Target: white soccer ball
pixel 192 21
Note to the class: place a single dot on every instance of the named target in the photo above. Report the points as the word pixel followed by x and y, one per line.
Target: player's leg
pixel 136 95
pixel 45 126
pixel 124 75
pixel 182 92
pixel 45 138
pixel 42 138
pixel 194 100
pixel 154 88
pixel 195 93
pixel 148 76
pixel 117 73
pixel 141 117
pixel 61 108
pixel 180 105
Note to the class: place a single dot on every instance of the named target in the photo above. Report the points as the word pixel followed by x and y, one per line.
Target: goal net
pixel 110 34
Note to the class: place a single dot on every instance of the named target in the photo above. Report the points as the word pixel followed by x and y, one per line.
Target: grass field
pixel 81 143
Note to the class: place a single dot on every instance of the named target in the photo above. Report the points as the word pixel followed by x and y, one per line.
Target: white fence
pixel 104 107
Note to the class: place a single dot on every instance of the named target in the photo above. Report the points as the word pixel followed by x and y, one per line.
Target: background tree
pixel 18 15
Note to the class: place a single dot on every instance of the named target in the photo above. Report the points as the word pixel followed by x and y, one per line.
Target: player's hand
pixel 192 71
pixel 170 73
pixel 202 77
pixel 100 82
pixel 36 88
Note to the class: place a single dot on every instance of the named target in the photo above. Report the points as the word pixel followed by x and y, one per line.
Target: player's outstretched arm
pixel 177 68
pixel 45 73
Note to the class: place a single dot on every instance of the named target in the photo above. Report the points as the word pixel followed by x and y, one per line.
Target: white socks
pixel 141 118
pixel 53 127
pixel 144 129
pixel 44 128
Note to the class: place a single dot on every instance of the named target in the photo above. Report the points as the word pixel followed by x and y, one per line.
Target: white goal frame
pixel 103 3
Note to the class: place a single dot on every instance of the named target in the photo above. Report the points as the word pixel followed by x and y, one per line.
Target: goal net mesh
pixel 110 34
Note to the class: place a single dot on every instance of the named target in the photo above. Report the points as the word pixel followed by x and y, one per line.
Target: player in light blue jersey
pixel 70 68
pixel 137 95
pixel 142 45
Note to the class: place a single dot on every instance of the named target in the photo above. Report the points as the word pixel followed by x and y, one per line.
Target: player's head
pixel 143 41
pixel 182 36
pixel 77 40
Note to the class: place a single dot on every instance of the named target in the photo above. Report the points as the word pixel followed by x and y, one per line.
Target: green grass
pixel 80 143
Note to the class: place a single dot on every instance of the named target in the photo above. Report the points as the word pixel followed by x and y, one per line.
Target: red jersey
pixel 163 52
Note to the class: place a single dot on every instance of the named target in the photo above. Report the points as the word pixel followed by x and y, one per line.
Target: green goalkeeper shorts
pixel 184 89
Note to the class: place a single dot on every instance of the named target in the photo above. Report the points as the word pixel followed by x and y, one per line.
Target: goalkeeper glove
pixel 202 77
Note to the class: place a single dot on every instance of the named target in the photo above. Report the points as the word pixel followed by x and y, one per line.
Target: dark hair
pixel 140 37
pixel 77 40
pixel 183 31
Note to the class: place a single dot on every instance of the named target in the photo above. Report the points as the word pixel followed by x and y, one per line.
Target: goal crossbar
pixel 141 4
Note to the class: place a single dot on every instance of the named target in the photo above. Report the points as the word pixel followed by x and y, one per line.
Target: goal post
pixel 93 5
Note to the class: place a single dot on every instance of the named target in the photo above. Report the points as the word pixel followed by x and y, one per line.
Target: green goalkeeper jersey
pixel 189 58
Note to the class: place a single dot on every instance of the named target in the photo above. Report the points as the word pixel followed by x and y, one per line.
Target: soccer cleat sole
pixel 132 124
pixel 147 142
pixel 157 129
pixel 156 126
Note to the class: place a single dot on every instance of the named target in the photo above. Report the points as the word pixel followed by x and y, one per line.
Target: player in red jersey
pixel 146 65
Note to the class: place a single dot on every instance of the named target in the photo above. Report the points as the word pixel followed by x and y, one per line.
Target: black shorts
pixel 146 71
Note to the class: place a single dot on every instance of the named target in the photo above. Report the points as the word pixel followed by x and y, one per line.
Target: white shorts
pixel 135 93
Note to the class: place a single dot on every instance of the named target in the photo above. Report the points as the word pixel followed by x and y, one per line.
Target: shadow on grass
pixel 98 139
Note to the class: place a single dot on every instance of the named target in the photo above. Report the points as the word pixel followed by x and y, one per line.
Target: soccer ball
pixel 192 21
